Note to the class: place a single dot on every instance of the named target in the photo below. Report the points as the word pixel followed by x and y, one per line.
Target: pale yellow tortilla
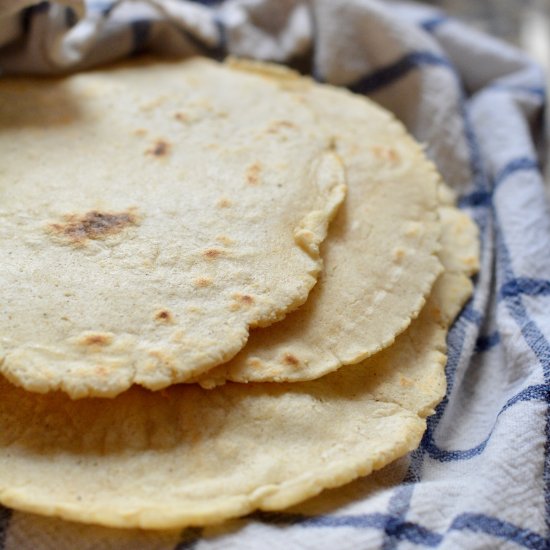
pixel 150 215
pixel 380 258
pixel 188 456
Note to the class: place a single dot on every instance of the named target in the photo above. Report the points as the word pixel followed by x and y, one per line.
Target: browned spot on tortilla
pixel 405 381
pixel 160 148
pixel 224 203
pixel 161 358
pixel 78 228
pixel 239 301
pixel 385 153
pixel 178 336
pixel 291 360
pixel 223 239
pixel 203 282
pixel 102 371
pixel 181 117
pixel 253 174
pixel 164 316
pixel 280 124
pixel 212 253
pixel 244 299
pixel 254 362
pixel 436 313
pixel 96 339
pixel 398 254
pixel 393 155
pixel 140 132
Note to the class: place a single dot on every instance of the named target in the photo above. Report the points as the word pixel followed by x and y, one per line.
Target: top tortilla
pixel 151 214
pixel 188 456
pixel 380 257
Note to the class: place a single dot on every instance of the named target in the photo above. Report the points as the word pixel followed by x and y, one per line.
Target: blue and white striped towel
pixel 481 477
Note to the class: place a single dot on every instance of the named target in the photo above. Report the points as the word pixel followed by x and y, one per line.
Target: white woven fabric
pixel 481 476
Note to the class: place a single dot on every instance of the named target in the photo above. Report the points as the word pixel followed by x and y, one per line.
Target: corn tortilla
pixel 151 214
pixel 189 456
pixel 380 258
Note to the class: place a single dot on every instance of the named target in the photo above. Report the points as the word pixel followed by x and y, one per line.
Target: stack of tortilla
pixel 224 288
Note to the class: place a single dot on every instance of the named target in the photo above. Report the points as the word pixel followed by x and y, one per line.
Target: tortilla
pixel 380 258
pixel 188 456
pixel 151 214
